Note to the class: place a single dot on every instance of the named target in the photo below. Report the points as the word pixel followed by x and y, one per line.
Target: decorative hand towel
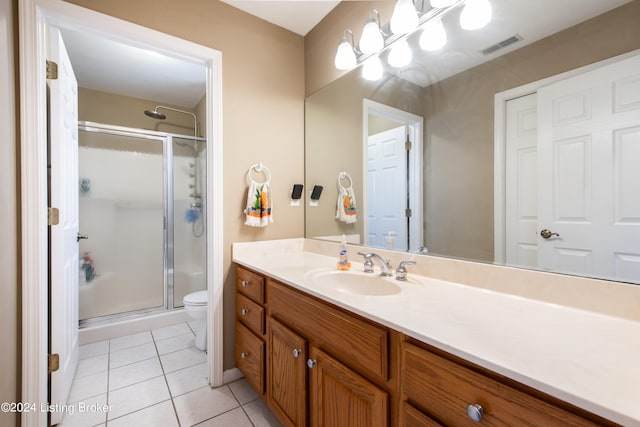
pixel 258 209
pixel 346 205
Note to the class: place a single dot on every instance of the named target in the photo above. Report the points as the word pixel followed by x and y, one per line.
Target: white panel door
pixel 387 188
pixel 589 172
pixel 521 184
pixel 63 122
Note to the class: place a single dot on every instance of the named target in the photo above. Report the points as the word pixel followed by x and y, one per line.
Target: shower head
pixel 155 114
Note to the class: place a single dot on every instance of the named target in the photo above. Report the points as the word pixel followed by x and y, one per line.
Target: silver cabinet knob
pixel 244 355
pixel 245 283
pixel 311 363
pixel 547 234
pixel 475 411
pixel 297 352
pixel 244 311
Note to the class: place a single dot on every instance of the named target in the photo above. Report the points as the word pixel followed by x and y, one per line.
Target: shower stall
pixel 142 211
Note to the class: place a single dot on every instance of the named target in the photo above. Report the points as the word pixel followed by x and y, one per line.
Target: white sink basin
pixel 355 282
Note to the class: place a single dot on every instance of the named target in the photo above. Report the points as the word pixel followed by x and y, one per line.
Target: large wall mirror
pixel 517 144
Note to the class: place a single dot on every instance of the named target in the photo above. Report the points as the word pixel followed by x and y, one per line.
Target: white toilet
pixel 195 305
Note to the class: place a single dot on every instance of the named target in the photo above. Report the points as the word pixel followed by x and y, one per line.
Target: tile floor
pixel 157 378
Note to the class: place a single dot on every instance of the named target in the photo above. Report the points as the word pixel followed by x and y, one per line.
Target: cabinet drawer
pixel 363 345
pixel 250 357
pixel 411 417
pixel 443 389
pixel 250 284
pixel 250 313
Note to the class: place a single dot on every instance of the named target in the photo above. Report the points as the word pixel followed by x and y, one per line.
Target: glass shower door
pixel 122 204
pixel 189 237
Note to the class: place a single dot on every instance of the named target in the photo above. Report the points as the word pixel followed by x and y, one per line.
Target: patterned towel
pixel 258 209
pixel 346 206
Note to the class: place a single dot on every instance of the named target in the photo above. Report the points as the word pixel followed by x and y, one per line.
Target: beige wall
pixel 9 211
pixel 108 108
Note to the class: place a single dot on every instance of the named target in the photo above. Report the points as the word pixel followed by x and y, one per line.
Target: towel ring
pixel 260 168
pixel 344 175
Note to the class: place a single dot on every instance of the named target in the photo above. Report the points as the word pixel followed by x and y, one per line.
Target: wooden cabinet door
pixel 287 374
pixel 338 397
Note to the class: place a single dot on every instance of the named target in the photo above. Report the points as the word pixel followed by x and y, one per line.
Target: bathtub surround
pixel 580 350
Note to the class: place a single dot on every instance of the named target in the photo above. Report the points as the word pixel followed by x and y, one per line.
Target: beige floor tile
pixel 159 415
pixel 203 403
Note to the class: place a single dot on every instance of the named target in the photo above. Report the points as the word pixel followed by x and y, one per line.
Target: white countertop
pixel 587 359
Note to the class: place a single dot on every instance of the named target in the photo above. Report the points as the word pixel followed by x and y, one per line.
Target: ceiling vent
pixel 502 44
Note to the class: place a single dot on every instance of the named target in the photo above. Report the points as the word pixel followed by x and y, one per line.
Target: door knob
pixel 81 236
pixel 548 234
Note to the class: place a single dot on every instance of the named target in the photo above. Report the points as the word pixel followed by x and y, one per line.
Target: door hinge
pixel 407 213
pixel 53 216
pixel 407 145
pixel 53 362
pixel 52 70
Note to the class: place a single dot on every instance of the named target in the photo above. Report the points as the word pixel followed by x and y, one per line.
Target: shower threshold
pixel 123 317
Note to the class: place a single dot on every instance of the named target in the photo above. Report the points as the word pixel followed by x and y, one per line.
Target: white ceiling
pixel 297 16
pixel 114 67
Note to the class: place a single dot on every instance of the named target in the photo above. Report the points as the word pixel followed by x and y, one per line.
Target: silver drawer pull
pixel 245 311
pixel 297 352
pixel 245 283
pixel 475 411
pixel 244 355
pixel 311 363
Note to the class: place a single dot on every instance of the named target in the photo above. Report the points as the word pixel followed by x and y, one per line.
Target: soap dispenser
pixel 343 259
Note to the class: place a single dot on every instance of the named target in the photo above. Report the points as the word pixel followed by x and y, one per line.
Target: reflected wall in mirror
pixel 540 135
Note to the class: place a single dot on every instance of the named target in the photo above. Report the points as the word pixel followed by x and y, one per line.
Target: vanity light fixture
pixel 372 69
pixel 404 18
pixel 433 36
pixel 346 55
pixel 371 40
pixel 476 14
pixel 400 54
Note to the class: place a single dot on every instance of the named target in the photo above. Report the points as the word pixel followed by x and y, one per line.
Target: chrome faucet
pixel 401 272
pixel 385 266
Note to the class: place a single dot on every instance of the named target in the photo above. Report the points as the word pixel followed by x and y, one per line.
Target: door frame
pixel 415 124
pixel 500 144
pixel 34 16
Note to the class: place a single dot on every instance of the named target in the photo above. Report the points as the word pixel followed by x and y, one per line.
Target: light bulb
pixel 345 56
pixel 371 40
pixel 404 18
pixel 400 54
pixel 372 69
pixel 476 14
pixel 433 36
pixel 439 4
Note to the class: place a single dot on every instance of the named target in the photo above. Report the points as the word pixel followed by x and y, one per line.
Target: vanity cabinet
pixel 435 387
pixel 287 374
pixel 319 365
pixel 250 327
pixel 324 366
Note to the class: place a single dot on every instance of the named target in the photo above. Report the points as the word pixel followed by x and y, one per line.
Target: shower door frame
pixel 168 213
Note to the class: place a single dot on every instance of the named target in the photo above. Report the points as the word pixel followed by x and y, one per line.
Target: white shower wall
pixel 123 216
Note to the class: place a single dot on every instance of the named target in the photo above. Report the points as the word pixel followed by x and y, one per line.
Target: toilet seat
pixel 196 298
